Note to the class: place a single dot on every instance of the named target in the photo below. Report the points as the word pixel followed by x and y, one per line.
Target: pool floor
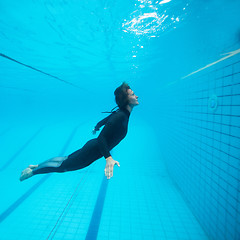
pixel 137 203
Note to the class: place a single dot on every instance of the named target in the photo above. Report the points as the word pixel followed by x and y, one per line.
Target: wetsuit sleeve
pixel 107 134
pixel 101 123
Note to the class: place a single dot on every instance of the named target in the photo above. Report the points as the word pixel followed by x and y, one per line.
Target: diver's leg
pixel 51 165
pixel 82 157
pixel 77 160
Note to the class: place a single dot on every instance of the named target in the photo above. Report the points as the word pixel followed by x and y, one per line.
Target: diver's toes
pixel 33 166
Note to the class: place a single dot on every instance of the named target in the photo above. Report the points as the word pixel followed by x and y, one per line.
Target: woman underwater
pixel 114 131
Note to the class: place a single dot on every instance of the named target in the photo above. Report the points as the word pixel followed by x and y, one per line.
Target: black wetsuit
pixel 115 129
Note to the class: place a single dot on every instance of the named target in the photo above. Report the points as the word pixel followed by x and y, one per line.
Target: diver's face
pixel 132 98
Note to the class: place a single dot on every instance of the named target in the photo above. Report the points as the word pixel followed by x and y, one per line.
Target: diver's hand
pixel 109 167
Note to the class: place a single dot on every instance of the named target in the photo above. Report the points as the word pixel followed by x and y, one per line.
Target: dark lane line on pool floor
pixel 21 199
pixel 93 228
pixel 20 150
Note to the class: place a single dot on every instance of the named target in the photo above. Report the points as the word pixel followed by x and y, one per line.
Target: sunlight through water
pixel 152 18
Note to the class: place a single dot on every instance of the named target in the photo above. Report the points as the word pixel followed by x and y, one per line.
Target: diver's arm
pixel 107 133
pixel 100 124
pixel 102 143
pixel 110 162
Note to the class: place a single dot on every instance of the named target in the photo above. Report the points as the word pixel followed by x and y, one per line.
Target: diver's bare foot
pixel 33 166
pixel 26 173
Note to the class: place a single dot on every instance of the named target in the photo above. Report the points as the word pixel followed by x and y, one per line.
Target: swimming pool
pixel 60 62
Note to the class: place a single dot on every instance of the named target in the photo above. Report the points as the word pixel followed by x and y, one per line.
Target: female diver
pixel 114 131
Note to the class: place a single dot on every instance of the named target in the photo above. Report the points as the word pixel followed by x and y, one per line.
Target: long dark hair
pixel 121 95
pixel 121 98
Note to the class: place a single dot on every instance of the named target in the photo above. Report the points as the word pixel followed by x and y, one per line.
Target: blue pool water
pixel 60 62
